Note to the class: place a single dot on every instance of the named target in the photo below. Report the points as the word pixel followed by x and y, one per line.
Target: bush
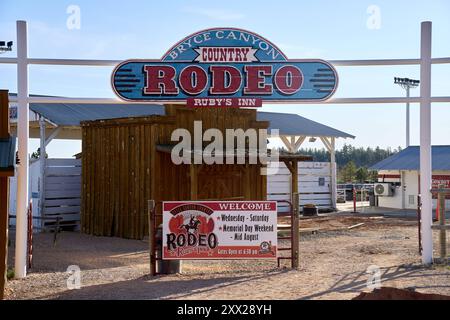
pixel 10 274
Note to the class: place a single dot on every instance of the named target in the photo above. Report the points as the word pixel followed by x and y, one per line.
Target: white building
pixel 401 171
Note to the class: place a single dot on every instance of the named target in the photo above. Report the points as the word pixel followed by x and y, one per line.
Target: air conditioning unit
pixel 383 189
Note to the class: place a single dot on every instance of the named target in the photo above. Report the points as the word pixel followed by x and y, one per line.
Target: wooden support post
pixel 42 165
pixel 333 173
pixel 4 195
pixel 293 167
pixel 295 231
pixel 3 233
pixel 442 232
pixel 151 236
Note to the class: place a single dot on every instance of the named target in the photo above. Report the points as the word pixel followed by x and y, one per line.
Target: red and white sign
pixel 439 180
pixel 219 230
pixel 224 64
pixel 226 54
pixel 223 102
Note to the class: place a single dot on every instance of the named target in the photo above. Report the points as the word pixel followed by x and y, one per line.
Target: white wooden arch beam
pixel 330 144
pixel 291 143
pixel 327 143
pixel 52 135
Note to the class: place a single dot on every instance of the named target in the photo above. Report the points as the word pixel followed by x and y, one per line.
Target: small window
pixel 321 181
pixel 412 199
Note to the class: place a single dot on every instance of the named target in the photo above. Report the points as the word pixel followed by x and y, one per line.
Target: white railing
pixel 23 99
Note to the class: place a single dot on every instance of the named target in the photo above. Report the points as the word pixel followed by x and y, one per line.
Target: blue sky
pixel 302 29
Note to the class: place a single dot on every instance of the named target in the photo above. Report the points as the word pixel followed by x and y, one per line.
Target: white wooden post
pixel 333 172
pixel 330 145
pixel 403 188
pixel 425 142
pixel 42 163
pixel 407 118
pixel 23 134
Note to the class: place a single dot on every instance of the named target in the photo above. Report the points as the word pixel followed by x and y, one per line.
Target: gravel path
pixel 333 262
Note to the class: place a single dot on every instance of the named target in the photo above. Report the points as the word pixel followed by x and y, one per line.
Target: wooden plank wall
pixel 62 191
pixel 121 169
pixel 4 190
pixel 310 177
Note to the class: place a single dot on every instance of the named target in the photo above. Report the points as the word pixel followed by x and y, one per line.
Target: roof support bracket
pixel 52 135
pixel 292 145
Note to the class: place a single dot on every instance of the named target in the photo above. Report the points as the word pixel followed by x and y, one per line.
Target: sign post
pixel 425 143
pixel 23 135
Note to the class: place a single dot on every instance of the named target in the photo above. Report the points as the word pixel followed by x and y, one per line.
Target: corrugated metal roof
pixel 295 125
pixel 409 159
pixel 7 153
pixel 73 114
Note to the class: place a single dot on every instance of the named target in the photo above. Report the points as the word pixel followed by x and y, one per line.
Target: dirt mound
pixel 387 293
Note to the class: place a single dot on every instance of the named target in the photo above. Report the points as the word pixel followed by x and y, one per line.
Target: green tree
pixel 373 176
pixel 349 172
pixel 362 174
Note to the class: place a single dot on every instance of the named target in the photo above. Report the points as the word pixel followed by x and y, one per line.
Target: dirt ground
pixel 333 264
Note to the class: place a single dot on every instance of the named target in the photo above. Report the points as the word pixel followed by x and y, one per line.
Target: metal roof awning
pixel 69 116
pixel 7 156
pixel 409 159
pixel 295 125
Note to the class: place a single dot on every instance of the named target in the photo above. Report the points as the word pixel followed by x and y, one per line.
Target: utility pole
pixel 407 84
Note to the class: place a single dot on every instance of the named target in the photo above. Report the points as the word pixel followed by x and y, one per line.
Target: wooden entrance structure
pixel 126 162
pixel 7 159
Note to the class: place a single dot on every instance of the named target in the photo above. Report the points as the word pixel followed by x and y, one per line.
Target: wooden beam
pixel 326 143
pixel 4 195
pixel 296 212
pixel 151 236
pixel 3 233
pixel 52 135
pixel 286 143
pixel 295 246
pixel 4 114
pixel 298 143
pixel 42 165
pixel 333 172
pixel 294 173
pixel 442 232
pixel 289 165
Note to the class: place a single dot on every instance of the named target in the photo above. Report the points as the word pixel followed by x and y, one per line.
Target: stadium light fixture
pixel 407 84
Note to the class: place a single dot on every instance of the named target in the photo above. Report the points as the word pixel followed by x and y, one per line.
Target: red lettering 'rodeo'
pixel 193 80
pixel 256 80
pixel 160 80
pixel 288 79
pixel 219 76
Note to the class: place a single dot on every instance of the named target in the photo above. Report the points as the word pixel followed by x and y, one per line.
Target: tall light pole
pixel 407 84
pixel 5 46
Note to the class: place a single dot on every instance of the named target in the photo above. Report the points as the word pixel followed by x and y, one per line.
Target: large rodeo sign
pixel 219 230
pixel 224 67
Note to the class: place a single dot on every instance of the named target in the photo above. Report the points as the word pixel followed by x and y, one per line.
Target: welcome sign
pixel 224 67
pixel 219 230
